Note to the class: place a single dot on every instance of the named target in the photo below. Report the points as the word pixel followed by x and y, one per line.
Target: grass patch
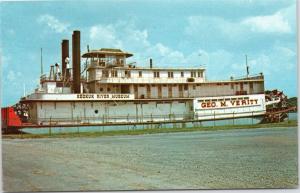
pixel 290 123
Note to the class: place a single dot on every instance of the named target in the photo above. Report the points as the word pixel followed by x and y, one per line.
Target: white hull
pixel 86 111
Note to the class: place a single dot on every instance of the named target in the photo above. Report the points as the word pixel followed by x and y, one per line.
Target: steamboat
pixel 106 90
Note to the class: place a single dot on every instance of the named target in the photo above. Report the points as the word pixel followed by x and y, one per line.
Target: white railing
pixel 80 97
pixel 146 80
pixel 143 119
pixel 250 77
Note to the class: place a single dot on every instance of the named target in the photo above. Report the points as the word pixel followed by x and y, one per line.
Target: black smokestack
pixel 150 62
pixel 64 55
pixel 76 61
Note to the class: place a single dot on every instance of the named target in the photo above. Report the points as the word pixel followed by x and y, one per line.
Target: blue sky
pixel 177 33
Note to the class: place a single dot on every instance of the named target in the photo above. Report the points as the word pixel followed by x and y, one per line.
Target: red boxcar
pixel 9 118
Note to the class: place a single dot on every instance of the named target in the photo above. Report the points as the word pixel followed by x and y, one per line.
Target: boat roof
pixel 106 51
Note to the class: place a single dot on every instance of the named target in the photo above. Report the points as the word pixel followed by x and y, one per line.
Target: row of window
pixel 194 85
pixel 185 87
pixel 108 61
pixel 181 87
pixel 242 85
pixel 156 74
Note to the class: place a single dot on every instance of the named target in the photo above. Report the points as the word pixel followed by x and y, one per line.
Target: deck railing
pixel 250 77
pixel 141 119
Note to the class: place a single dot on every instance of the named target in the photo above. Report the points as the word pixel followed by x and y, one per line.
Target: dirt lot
pixel 254 158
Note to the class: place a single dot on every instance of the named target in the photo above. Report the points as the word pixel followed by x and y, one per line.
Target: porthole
pixel 96 111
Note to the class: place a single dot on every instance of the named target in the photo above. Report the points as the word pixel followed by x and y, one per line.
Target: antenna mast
pixel 247 67
pixel 41 61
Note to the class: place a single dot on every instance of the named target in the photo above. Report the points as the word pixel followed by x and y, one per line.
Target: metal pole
pixel 214 118
pixel 42 61
pixel 50 127
pixel 136 113
pixel 142 114
pixel 77 123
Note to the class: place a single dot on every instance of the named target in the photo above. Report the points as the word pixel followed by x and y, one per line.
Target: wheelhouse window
pixel 120 61
pixel 140 74
pixel 182 74
pixel 102 61
pixel 94 61
pixel 111 60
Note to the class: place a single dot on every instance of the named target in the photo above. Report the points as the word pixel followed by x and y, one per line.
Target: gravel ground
pixel 254 158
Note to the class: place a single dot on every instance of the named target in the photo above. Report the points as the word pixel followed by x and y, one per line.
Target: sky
pixel 216 34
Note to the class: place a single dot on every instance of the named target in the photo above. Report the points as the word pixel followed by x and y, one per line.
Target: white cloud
pixel 128 37
pixel 104 36
pixel 217 29
pixel 119 35
pixel 276 23
pixel 220 63
pixel 274 62
pixel 53 23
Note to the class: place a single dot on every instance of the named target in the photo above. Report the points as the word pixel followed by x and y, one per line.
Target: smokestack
pixel 76 61
pixel 150 62
pixel 64 55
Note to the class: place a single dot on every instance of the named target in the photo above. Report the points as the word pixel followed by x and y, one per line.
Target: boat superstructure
pixel 107 89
